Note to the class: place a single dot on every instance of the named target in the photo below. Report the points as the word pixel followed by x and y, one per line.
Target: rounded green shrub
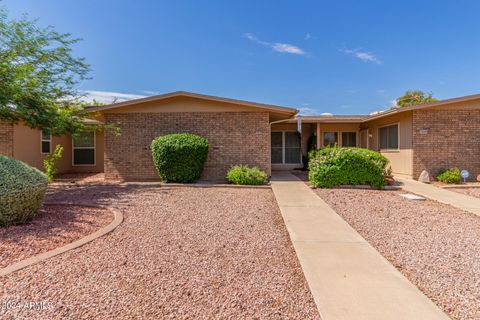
pixel 245 175
pixel 21 191
pixel 179 157
pixel 334 166
pixel 451 175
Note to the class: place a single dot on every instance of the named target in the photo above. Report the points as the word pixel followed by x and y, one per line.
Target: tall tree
pixel 39 76
pixel 414 97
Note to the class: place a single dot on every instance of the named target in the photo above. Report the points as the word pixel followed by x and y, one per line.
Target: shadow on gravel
pixel 99 194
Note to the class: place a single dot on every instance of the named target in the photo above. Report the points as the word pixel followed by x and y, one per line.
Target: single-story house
pixel 428 137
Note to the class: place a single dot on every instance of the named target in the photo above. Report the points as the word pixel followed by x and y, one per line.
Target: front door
pixel 286 147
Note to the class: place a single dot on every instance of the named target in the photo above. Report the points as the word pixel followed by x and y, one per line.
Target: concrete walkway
pixel 455 199
pixel 348 278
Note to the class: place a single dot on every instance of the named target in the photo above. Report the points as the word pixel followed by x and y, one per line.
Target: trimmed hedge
pixel 179 157
pixel 21 191
pixel 245 175
pixel 334 166
pixel 451 175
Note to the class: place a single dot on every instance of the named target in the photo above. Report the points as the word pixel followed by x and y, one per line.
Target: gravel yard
pixel 182 252
pixel 53 227
pixel 473 191
pixel 435 246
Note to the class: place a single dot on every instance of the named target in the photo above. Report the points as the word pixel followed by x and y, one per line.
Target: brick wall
pixel 453 140
pixel 234 137
pixel 6 139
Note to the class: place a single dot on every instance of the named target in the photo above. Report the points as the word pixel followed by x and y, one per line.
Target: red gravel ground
pixel 181 253
pixel 53 227
pixel 81 178
pixel 435 246
pixel 474 191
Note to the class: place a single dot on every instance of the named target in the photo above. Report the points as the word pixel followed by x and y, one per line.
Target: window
pixel 364 138
pixel 277 147
pixel 84 149
pixel 349 139
pixel 388 137
pixel 330 139
pixel 286 148
pixel 292 148
pixel 46 141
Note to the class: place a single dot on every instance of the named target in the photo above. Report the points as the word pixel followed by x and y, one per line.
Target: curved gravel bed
pixel 53 227
pixel 435 246
pixel 181 253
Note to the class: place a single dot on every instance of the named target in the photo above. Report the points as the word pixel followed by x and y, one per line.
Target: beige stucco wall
pixel 401 161
pixel 27 148
pixel 190 104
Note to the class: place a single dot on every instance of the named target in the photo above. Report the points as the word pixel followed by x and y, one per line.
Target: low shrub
pixel 179 157
pixel 334 166
pixel 451 175
pixel 21 191
pixel 50 163
pixel 245 175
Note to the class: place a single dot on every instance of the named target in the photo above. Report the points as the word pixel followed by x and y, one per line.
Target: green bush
pixel 334 166
pixel 50 163
pixel 451 175
pixel 179 157
pixel 245 175
pixel 21 191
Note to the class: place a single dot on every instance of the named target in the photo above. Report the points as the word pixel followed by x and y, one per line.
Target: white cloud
pixel 276 46
pixel 285 47
pixel 151 93
pixel 362 55
pixel 109 96
pixel 393 103
pixel 305 110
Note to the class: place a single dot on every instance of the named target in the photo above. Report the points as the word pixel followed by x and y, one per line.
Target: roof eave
pixel 273 108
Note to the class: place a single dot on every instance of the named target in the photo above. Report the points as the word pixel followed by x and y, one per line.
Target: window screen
pixel 46 141
pixel 292 148
pixel 285 148
pixel 388 137
pixel 330 139
pixel 349 139
pixel 277 147
pixel 84 148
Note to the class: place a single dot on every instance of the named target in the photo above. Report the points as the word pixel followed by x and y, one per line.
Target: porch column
pixel 318 135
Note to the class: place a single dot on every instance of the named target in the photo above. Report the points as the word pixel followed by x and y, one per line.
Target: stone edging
pixel 196 185
pixel 117 220
pixel 163 185
pixel 460 186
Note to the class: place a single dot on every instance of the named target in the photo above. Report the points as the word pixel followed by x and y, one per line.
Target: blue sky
pixel 343 57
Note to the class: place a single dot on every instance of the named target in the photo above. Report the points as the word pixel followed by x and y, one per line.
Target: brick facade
pixel 452 140
pixel 6 139
pixel 234 137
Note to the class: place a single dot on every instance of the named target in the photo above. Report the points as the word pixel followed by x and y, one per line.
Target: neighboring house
pixel 428 137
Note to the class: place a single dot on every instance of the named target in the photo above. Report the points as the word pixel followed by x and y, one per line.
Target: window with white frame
pixel 83 149
pixel 285 147
pixel 388 137
pixel 349 139
pixel 45 141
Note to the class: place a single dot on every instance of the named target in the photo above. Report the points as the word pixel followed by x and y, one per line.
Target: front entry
pixel 286 150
